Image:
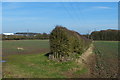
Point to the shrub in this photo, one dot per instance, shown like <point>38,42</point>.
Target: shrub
<point>66,44</point>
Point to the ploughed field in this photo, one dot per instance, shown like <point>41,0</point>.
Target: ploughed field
<point>26,59</point>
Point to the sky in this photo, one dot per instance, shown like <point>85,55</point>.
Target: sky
<point>83,17</point>
<point>60,0</point>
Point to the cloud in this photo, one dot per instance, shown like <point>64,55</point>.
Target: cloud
<point>102,7</point>
<point>94,8</point>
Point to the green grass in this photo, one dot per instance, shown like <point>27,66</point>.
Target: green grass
<point>34,65</point>
<point>29,46</point>
<point>84,70</point>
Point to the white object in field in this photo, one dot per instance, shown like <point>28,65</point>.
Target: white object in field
<point>8,33</point>
<point>19,48</point>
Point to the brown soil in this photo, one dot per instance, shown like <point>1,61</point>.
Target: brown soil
<point>97,66</point>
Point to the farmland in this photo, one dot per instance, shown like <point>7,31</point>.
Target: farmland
<point>106,59</point>
<point>31,62</point>
<point>29,46</point>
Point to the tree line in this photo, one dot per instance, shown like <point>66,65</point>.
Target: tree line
<point>26,36</point>
<point>106,35</point>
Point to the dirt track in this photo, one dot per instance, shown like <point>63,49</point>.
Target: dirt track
<point>85,60</point>
<point>84,57</point>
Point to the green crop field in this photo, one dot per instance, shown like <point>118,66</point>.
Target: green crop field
<point>29,47</point>
<point>106,58</point>
<point>31,62</point>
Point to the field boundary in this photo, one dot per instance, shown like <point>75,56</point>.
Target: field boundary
<point>83,59</point>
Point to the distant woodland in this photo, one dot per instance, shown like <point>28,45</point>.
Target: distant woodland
<point>25,36</point>
<point>106,35</point>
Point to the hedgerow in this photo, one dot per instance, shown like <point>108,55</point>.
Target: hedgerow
<point>66,44</point>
